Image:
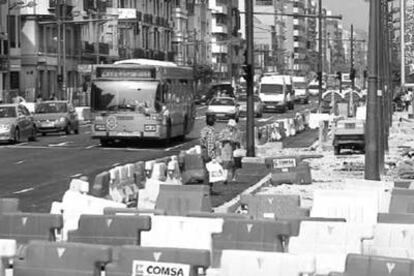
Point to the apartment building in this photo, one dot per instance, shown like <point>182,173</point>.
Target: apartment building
<point>296,41</point>
<point>312,35</point>
<point>226,42</point>
<point>92,31</point>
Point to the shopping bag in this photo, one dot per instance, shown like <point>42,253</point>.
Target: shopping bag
<point>216,171</point>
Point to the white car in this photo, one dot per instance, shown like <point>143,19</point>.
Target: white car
<point>224,108</point>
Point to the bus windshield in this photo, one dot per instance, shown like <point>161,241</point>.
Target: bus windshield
<point>271,89</point>
<point>123,95</point>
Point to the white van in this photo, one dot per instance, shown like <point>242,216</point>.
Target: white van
<point>300,85</point>
<point>273,92</point>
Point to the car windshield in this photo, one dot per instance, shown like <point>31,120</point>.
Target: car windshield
<point>7,112</point>
<point>222,102</point>
<point>124,95</point>
<point>271,89</point>
<point>313,87</point>
<point>300,85</point>
<point>52,107</point>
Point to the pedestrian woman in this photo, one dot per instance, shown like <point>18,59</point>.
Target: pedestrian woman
<point>208,145</point>
<point>230,139</point>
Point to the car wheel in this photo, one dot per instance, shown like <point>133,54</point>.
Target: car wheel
<point>105,142</point>
<point>67,129</point>
<point>168,138</point>
<point>34,135</point>
<point>16,138</point>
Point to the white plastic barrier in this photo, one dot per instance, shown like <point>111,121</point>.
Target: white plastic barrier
<point>181,232</point>
<point>382,188</point>
<point>255,263</point>
<point>361,113</point>
<point>330,242</point>
<point>356,206</point>
<point>84,113</point>
<point>316,118</point>
<point>391,240</point>
<point>75,204</point>
<point>7,251</point>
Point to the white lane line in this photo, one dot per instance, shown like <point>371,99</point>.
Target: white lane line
<point>36,147</point>
<point>176,147</point>
<point>92,146</point>
<point>24,191</point>
<point>200,117</point>
<point>59,145</point>
<point>75,175</point>
<point>19,162</point>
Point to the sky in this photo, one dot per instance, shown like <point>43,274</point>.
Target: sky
<point>353,11</point>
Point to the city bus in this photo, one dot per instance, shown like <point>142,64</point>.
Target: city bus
<point>141,99</point>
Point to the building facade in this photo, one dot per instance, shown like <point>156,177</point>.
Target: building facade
<point>47,57</point>
<point>226,41</point>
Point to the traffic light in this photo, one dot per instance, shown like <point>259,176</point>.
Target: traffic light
<point>352,74</point>
<point>247,68</point>
<point>365,74</point>
<point>339,75</point>
<point>319,76</point>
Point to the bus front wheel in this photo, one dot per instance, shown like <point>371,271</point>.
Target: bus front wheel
<point>168,137</point>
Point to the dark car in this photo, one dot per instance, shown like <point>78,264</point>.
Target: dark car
<point>56,116</point>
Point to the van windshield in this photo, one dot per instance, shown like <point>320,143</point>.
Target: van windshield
<point>271,89</point>
<point>301,85</point>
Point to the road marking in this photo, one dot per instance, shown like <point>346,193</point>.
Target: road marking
<point>59,145</point>
<point>200,117</point>
<point>88,132</point>
<point>265,119</point>
<point>19,162</point>
<point>75,175</point>
<point>92,146</point>
<point>176,147</point>
<point>24,191</point>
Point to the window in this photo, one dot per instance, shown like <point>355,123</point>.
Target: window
<point>264,2</point>
<point>14,80</point>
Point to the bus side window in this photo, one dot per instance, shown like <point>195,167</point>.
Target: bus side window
<point>159,98</point>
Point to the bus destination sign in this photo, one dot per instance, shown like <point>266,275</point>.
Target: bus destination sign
<point>125,73</point>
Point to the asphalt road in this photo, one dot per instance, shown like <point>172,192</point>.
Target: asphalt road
<point>39,172</point>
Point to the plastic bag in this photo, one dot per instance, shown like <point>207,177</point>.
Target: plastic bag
<point>216,171</point>
<point>239,153</point>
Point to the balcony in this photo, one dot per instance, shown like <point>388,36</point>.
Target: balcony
<point>220,29</point>
<point>219,49</point>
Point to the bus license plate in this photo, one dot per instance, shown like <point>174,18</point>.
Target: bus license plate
<point>284,163</point>
<point>150,128</point>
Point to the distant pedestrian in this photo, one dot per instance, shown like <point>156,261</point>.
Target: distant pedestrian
<point>230,140</point>
<point>407,98</point>
<point>208,145</point>
<point>39,99</point>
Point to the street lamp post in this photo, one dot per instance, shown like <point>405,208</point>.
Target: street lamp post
<point>371,145</point>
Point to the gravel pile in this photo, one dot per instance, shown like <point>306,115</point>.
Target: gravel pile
<point>330,171</point>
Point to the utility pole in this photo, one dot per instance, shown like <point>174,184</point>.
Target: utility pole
<point>371,142</point>
<point>59,47</point>
<point>97,36</point>
<point>351,98</point>
<point>8,75</point>
<point>64,73</point>
<point>320,63</point>
<point>380,95</point>
<point>249,78</point>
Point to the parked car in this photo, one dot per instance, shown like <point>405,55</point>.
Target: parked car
<point>301,90</point>
<point>56,116</point>
<point>258,105</point>
<point>16,123</point>
<point>349,134</point>
<point>223,108</point>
